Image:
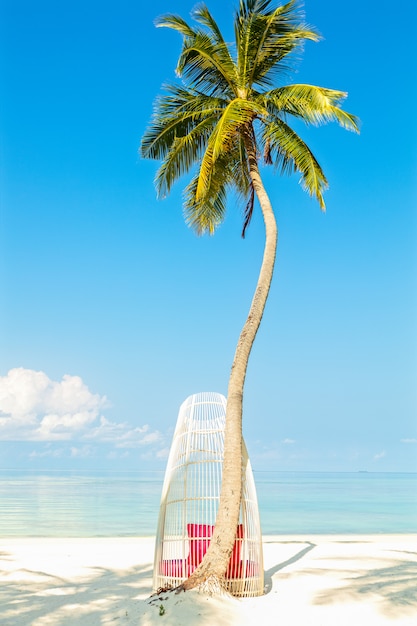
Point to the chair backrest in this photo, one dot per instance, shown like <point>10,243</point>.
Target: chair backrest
<point>199,537</point>
<point>190,499</point>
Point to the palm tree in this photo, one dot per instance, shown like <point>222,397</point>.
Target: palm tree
<point>218,124</point>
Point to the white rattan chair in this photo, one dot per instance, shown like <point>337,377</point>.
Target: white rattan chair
<point>190,499</point>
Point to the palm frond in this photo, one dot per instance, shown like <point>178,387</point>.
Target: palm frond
<point>265,37</point>
<point>230,171</point>
<point>314,105</point>
<point>205,59</point>
<point>175,114</point>
<point>248,210</point>
<point>238,114</point>
<point>176,23</point>
<point>185,151</point>
<point>290,153</point>
<point>246,7</point>
<point>204,216</point>
<point>203,16</point>
<point>206,64</point>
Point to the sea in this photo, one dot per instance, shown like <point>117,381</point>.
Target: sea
<point>123,504</point>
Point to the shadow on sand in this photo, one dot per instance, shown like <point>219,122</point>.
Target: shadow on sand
<point>268,574</point>
<point>35,597</point>
<point>395,586</point>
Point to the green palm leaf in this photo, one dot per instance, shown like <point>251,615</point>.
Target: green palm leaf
<point>314,105</point>
<point>236,117</point>
<point>266,37</point>
<point>176,23</point>
<point>290,153</point>
<point>184,152</point>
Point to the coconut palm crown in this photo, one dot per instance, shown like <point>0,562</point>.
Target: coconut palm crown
<point>228,102</point>
<point>218,125</point>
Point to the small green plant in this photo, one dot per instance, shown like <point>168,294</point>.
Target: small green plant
<point>161,609</point>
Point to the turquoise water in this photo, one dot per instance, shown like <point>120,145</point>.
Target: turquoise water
<point>75,504</point>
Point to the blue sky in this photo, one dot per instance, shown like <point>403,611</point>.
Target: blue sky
<point>112,311</point>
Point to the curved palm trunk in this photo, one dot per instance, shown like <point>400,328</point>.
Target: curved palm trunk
<point>217,557</point>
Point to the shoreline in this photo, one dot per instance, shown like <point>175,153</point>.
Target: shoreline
<point>313,579</point>
<point>275,536</point>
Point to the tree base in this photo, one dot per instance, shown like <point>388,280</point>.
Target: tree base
<point>212,585</point>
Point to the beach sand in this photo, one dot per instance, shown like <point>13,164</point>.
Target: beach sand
<point>309,581</point>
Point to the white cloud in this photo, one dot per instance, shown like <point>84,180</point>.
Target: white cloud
<point>35,408</point>
<point>163,453</point>
<point>82,452</point>
<point>116,456</point>
<point>380,455</point>
<point>288,441</point>
<point>123,435</point>
<point>408,440</point>
<point>49,452</point>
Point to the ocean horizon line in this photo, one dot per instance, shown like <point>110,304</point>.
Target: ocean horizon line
<point>162,471</point>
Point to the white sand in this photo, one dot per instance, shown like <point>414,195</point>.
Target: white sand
<point>310,581</point>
